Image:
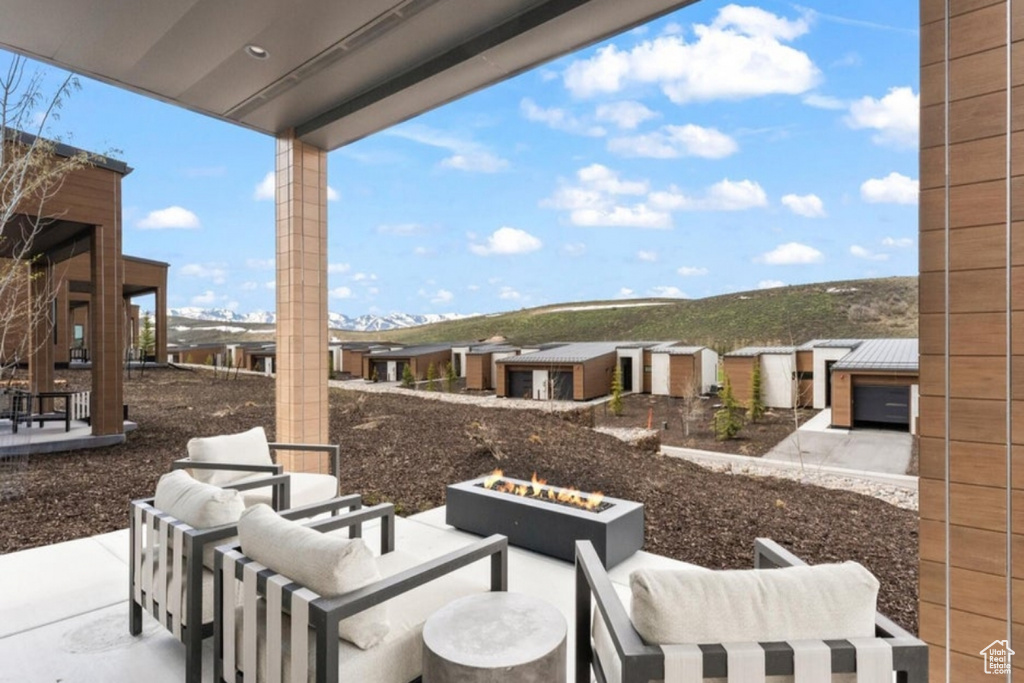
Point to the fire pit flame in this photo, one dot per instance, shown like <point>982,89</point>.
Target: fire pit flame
<point>537,489</point>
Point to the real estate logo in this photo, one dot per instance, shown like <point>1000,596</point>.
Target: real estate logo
<point>997,657</point>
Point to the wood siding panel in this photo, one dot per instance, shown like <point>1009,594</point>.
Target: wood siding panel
<point>478,371</point>
<point>740,371</point>
<point>976,248</point>
<point>842,399</point>
<point>976,118</point>
<point>596,375</point>
<point>682,374</point>
<point>647,360</point>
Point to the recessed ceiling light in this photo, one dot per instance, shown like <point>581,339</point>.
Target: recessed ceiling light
<point>256,52</point>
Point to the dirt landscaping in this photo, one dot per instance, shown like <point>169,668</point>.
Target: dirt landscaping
<point>668,415</point>
<point>403,449</point>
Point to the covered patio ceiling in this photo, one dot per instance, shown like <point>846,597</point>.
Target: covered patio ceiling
<point>334,71</point>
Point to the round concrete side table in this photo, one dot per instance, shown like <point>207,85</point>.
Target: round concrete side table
<point>492,637</point>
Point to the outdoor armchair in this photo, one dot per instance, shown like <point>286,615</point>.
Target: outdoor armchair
<point>286,632</point>
<point>247,456</point>
<point>171,560</point>
<point>608,640</point>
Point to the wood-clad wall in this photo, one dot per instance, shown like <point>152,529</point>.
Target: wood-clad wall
<point>683,371</point>
<point>478,371</point>
<point>740,371</point>
<point>596,376</point>
<point>971,249</point>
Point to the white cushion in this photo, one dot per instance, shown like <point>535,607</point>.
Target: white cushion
<point>306,488</point>
<point>197,504</point>
<point>246,448</point>
<point>398,657</point>
<point>605,652</point>
<point>829,601</point>
<point>329,565</point>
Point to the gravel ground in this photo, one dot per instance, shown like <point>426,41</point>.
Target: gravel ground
<point>400,448</point>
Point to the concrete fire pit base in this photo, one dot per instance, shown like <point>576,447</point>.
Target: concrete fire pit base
<point>492,637</point>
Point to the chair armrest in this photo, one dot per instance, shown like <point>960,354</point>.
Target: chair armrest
<point>186,463</point>
<point>281,497</point>
<point>333,450</point>
<point>592,580</point>
<point>343,606</point>
<point>353,502</point>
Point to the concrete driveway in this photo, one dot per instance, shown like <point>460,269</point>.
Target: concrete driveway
<point>874,450</point>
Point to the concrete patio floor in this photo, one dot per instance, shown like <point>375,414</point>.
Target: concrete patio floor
<point>51,438</point>
<point>64,607</point>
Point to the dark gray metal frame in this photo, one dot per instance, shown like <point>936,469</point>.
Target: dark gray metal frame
<point>332,449</point>
<point>642,662</point>
<point>196,541</point>
<point>325,613</point>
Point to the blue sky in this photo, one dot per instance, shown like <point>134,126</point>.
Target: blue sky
<point>725,147</point>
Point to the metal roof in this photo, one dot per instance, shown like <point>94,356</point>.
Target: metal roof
<point>642,344</point>
<point>570,353</point>
<point>678,350</point>
<point>835,344</point>
<point>751,351</point>
<point>64,150</point>
<point>479,349</point>
<point>899,355</point>
<point>410,351</point>
<point>332,71</point>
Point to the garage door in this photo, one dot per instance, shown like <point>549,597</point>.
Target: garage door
<point>561,385</point>
<point>882,404</point>
<point>520,383</point>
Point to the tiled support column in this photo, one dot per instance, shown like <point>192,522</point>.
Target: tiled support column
<point>106,329</point>
<point>301,363</point>
<point>972,336</point>
<point>40,349</point>
<point>160,319</point>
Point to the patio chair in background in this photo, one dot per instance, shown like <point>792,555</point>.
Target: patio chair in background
<point>791,623</point>
<point>240,458</point>
<point>172,540</point>
<point>316,606</point>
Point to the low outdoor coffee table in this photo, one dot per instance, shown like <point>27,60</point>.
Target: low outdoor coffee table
<point>497,636</point>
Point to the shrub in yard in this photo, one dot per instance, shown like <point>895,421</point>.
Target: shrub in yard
<point>374,377</point>
<point>615,404</point>
<point>407,378</point>
<point>728,422</point>
<point>756,410</point>
<point>450,378</point>
<point>431,378</point>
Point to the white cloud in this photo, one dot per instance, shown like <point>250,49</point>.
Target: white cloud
<point>625,293</point>
<point>574,249</point>
<point>208,271</point>
<point>558,119</point>
<point>808,205</point>
<point>739,55</point>
<point>364,277</point>
<point>895,117</point>
<point>894,188</point>
<point>250,286</point>
<point>791,253</point>
<point>260,263</point>
<point>595,201</point>
<point>692,271</point>
<point>861,252</point>
<point>171,218</point>
<point>725,195</point>
<point>473,288</point>
<point>467,155</point>
<point>672,142</point>
<point>424,251</point>
<point>400,229</point>
<point>341,293</point>
<point>207,298</point>
<point>770,284</point>
<point>338,268</point>
<point>898,242</point>
<point>668,292</point>
<point>442,296</point>
<point>266,188</point>
<point>509,294</point>
<point>270,284</point>
<point>626,114</point>
<point>507,240</point>
<point>824,102</point>
<point>332,194</point>
<point>648,256</point>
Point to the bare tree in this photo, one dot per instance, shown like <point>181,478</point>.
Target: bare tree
<point>691,404</point>
<point>31,173</point>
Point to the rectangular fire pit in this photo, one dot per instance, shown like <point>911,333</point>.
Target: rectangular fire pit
<point>547,527</point>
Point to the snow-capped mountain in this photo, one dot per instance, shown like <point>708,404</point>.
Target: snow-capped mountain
<point>336,321</point>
